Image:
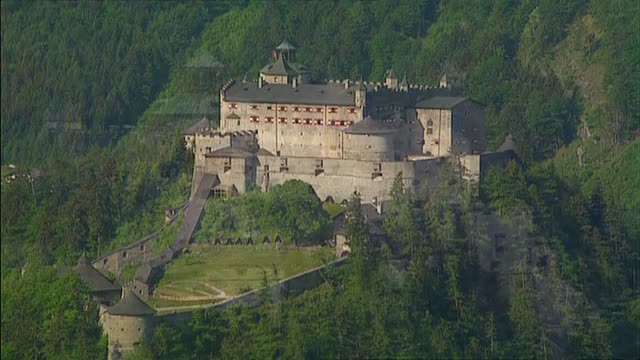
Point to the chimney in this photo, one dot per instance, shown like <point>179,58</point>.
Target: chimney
<point>260,82</point>
<point>294,82</point>
<point>346,84</point>
<point>379,207</point>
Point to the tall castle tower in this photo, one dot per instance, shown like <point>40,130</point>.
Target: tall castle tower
<point>127,324</point>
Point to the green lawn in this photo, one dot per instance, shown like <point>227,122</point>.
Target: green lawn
<point>223,271</point>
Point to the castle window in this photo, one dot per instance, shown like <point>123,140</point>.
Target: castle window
<point>124,254</point>
<point>333,110</point>
<point>282,120</point>
<point>352,110</point>
<point>284,166</point>
<point>255,107</point>
<point>268,119</point>
<point>254,119</point>
<point>142,247</point>
<point>429,131</point>
<point>104,262</point>
<point>430,122</point>
<point>296,120</point>
<point>227,164</point>
<point>283,108</point>
<point>308,109</point>
<point>233,106</point>
<point>296,108</point>
<point>318,109</point>
<point>269,107</point>
<point>307,121</point>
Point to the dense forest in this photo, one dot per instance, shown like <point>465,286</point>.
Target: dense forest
<point>94,96</point>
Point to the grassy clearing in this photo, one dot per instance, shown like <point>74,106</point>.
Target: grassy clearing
<point>234,269</point>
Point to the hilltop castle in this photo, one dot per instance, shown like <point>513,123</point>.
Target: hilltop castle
<point>339,136</point>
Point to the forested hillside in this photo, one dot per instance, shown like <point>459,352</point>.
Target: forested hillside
<point>558,75</point>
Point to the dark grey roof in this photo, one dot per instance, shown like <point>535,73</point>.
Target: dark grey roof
<point>202,124</point>
<point>93,278</point>
<point>264,152</point>
<point>368,126</point>
<point>507,145</point>
<point>311,94</point>
<point>131,305</point>
<point>441,102</point>
<point>230,151</point>
<point>285,45</point>
<point>280,67</point>
<point>233,116</point>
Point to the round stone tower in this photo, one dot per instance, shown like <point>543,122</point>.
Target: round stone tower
<point>127,324</point>
<point>369,140</point>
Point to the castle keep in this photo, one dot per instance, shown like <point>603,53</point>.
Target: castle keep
<point>339,136</point>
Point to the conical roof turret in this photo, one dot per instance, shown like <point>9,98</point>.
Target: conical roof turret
<point>131,305</point>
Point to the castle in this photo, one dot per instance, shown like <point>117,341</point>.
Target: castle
<point>339,136</point>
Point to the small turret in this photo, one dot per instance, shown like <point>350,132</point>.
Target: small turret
<point>404,86</point>
<point>443,81</point>
<point>361,95</point>
<point>391,80</point>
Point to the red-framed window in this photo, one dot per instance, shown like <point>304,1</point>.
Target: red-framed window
<point>269,107</point>
<point>307,121</point>
<point>308,109</point>
<point>282,108</point>
<point>255,119</point>
<point>318,121</point>
<point>255,107</point>
<point>296,109</point>
<point>282,120</point>
<point>296,120</point>
<point>268,119</point>
<point>319,109</point>
<point>233,106</point>
<point>352,110</point>
<point>333,110</point>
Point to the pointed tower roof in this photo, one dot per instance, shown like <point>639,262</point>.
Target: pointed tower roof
<point>93,278</point>
<point>280,67</point>
<point>392,74</point>
<point>368,126</point>
<point>404,83</point>
<point>131,305</point>
<point>285,45</point>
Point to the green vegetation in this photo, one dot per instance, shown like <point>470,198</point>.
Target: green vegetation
<point>234,269</point>
<point>74,73</point>
<point>291,211</point>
